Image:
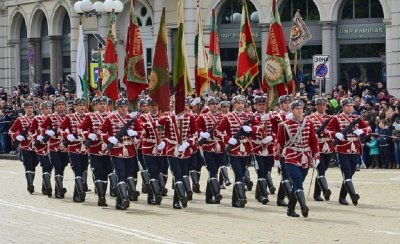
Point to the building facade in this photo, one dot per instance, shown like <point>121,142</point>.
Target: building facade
<point>362,37</point>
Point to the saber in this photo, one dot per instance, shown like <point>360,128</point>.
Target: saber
<point>309,188</point>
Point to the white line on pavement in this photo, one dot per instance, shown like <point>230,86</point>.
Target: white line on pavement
<point>10,172</point>
<point>388,232</point>
<point>137,233</point>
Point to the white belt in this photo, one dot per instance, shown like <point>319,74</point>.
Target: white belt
<point>299,149</point>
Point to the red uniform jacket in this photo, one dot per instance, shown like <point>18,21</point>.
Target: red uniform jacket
<point>125,148</point>
<point>205,122</point>
<point>150,134</point>
<point>325,142</point>
<point>53,122</point>
<point>70,125</point>
<point>20,125</point>
<point>260,131</point>
<point>91,124</point>
<point>352,144</point>
<point>297,147</point>
<point>34,131</point>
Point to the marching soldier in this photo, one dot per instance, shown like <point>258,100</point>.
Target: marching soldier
<point>232,131</point>
<point>223,170</point>
<point>180,138</point>
<point>320,118</point>
<point>212,148</point>
<point>348,147</point>
<point>74,142</point>
<point>41,149</point>
<point>123,151</point>
<point>276,117</point>
<point>100,161</point>
<point>263,143</point>
<point>19,134</point>
<point>192,107</point>
<point>143,108</point>
<point>298,144</point>
<point>152,151</point>
<point>58,155</point>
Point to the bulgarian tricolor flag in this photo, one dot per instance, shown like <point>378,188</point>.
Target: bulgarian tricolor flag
<point>247,64</point>
<point>278,79</point>
<point>159,77</point>
<point>81,77</point>
<point>181,79</point>
<point>110,68</point>
<point>135,78</point>
<point>201,76</point>
<point>214,64</point>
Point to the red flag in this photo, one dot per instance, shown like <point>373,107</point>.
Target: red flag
<point>247,64</point>
<point>278,79</point>
<point>201,77</point>
<point>135,78</point>
<point>214,65</point>
<point>159,77</point>
<point>110,68</point>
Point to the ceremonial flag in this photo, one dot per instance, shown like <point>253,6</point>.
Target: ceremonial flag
<point>159,77</point>
<point>247,64</point>
<point>181,79</point>
<point>100,75</point>
<point>135,78</point>
<point>110,68</point>
<point>299,33</point>
<point>81,77</point>
<point>201,76</point>
<point>278,79</point>
<point>214,64</point>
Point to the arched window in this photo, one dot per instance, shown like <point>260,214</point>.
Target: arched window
<point>361,9</point>
<point>143,15</point>
<point>45,51</point>
<point>231,12</point>
<point>23,58</point>
<point>308,10</point>
<point>66,46</point>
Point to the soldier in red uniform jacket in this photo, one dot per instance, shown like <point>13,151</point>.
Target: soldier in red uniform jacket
<point>223,177</point>
<point>240,154</point>
<point>298,144</point>
<point>348,147</point>
<point>42,150</point>
<point>180,139</point>
<point>58,155</point>
<point>99,160</point>
<point>123,153</point>
<point>325,150</point>
<point>212,148</point>
<point>19,132</point>
<point>74,142</point>
<point>143,108</point>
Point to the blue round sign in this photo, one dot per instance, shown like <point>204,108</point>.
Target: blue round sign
<point>321,70</point>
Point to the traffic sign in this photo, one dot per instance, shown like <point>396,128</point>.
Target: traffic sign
<point>321,67</point>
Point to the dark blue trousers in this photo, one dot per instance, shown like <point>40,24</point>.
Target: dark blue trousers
<point>297,174</point>
<point>154,165</point>
<point>30,160</point>
<point>79,163</point>
<point>124,167</point>
<point>323,165</point>
<point>239,164</point>
<point>179,167</point>
<point>213,161</point>
<point>348,164</point>
<point>59,160</point>
<point>101,167</point>
<point>45,164</point>
<point>265,164</point>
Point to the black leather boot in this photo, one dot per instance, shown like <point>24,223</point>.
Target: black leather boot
<point>209,193</point>
<point>247,180</point>
<point>342,195</point>
<point>133,193</point>
<point>79,193</point>
<point>221,180</point>
<point>270,184</point>
<point>113,184</point>
<point>352,192</point>
<point>292,206</point>
<point>224,173</point>
<point>84,181</point>
<point>323,184</point>
<point>155,190</point>
<point>30,176</point>
<point>122,196</point>
<point>261,188</point>
<point>302,201</point>
<point>238,195</point>
<point>181,191</point>
<point>145,181</point>
<point>317,191</point>
<point>186,183</point>
<point>176,204</point>
<point>195,180</point>
<point>47,184</point>
<point>161,182</point>
<point>100,193</point>
<point>214,186</point>
<point>59,189</point>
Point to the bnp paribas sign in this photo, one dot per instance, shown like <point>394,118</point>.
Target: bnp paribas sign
<point>361,31</point>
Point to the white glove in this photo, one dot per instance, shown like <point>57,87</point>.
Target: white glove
<point>358,132</point>
<point>289,116</point>
<point>50,133</point>
<point>113,140</point>
<point>232,141</point>
<point>183,147</point>
<point>246,128</point>
<point>264,117</point>
<point>39,138</point>
<point>205,135</point>
<point>267,139</point>
<point>20,138</point>
<point>132,133</point>
<point>161,146</point>
<point>315,163</point>
<point>92,136</point>
<point>134,114</point>
<point>277,163</point>
<point>339,136</point>
<point>71,138</point>
<point>195,101</point>
<point>180,117</point>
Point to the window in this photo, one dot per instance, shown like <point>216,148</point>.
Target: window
<point>308,10</point>
<point>143,15</point>
<point>362,50</point>
<point>23,58</point>
<point>66,46</point>
<point>361,9</point>
<point>232,12</point>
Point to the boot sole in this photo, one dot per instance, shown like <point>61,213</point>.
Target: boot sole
<point>31,189</point>
<point>272,190</point>
<point>327,195</point>
<point>355,199</point>
<point>134,196</point>
<point>304,211</point>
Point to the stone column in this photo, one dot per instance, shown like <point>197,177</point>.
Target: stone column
<point>35,69</point>
<point>12,76</point>
<point>74,42</point>
<point>393,50</point>
<point>55,60</point>
<point>264,29</point>
<point>190,29</point>
<point>329,47</point>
